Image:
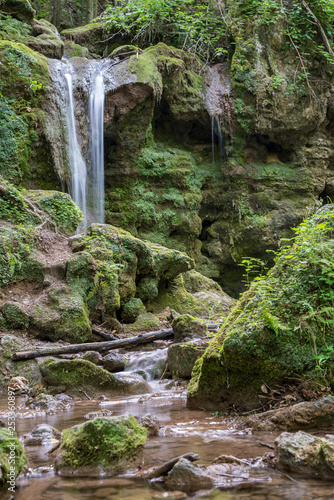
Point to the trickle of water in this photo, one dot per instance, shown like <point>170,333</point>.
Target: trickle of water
<point>216,128</point>
<point>150,365</point>
<point>78,183</point>
<point>96,118</point>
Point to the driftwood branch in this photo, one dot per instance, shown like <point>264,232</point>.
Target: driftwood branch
<point>94,346</point>
<point>144,338</point>
<point>163,469</point>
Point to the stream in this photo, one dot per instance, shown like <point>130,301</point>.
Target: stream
<point>182,431</point>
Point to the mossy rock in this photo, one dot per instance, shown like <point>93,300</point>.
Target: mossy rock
<point>12,457</point>
<point>10,344</point>
<point>72,49</point>
<point>46,40</point>
<point>20,9</point>
<point>131,310</point>
<point>89,36</point>
<point>194,294</point>
<point>15,316</point>
<point>182,358</point>
<point>270,334</point>
<point>101,447</point>
<point>61,315</point>
<point>146,322</point>
<point>61,208</point>
<point>79,373</point>
<point>187,327</point>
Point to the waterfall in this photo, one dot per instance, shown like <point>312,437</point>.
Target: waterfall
<point>96,119</point>
<point>215,121</point>
<point>78,182</point>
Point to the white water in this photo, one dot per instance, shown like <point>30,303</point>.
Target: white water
<point>149,365</point>
<point>96,119</point>
<point>217,129</point>
<point>78,183</point>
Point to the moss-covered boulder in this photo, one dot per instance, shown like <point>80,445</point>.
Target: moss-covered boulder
<point>60,314</point>
<point>89,36</point>
<point>60,207</point>
<point>281,327</point>
<point>45,40</point>
<point>101,447</point>
<point>76,374</point>
<point>187,327</point>
<point>12,458</point>
<point>131,310</point>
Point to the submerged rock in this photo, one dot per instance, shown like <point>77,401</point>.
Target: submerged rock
<point>101,447</point>
<point>12,457</point>
<point>48,403</point>
<point>40,435</point>
<point>304,453</point>
<point>186,476</point>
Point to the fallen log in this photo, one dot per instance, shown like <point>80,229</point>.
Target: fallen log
<point>94,346</point>
<point>163,469</point>
<point>99,346</point>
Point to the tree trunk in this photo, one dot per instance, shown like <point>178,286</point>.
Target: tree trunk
<point>56,14</point>
<point>89,11</point>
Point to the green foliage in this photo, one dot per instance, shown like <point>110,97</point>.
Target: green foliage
<point>13,206</point>
<point>197,26</point>
<point>12,29</point>
<point>62,210</point>
<point>8,439</point>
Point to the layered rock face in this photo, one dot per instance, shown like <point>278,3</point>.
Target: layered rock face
<point>163,181</point>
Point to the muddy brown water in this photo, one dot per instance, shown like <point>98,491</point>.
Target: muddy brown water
<point>182,431</point>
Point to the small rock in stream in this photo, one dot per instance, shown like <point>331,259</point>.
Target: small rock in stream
<point>92,356</point>
<point>187,476</point>
<point>151,423</point>
<point>48,403</point>
<point>113,362</point>
<point>40,435</point>
<point>19,384</point>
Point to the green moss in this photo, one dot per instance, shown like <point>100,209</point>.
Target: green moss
<point>15,316</point>
<point>103,443</point>
<point>13,29</point>
<point>131,310</point>
<point>12,456</point>
<point>60,207</point>
<point>146,322</point>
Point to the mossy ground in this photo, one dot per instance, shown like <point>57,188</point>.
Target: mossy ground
<point>12,456</point>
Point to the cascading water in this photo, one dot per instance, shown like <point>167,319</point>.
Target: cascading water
<point>96,119</point>
<point>78,182</point>
<point>217,129</point>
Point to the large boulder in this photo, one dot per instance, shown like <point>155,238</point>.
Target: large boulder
<point>46,39</point>
<point>271,334</point>
<point>20,9</point>
<point>101,447</point>
<point>187,327</point>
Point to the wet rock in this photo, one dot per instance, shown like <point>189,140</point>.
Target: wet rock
<point>132,309</point>
<point>40,435</point>
<point>306,414</point>
<point>151,423</point>
<point>64,398</point>
<point>100,413</point>
<point>101,447</point>
<point>12,454</point>
<point>92,356</point>
<point>48,403</point>
<point>2,423</point>
<point>305,453</point>
<point>76,374</point>
<point>19,384</point>
<point>113,362</point>
<point>182,358</point>
<point>186,476</point>
<point>187,327</point>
